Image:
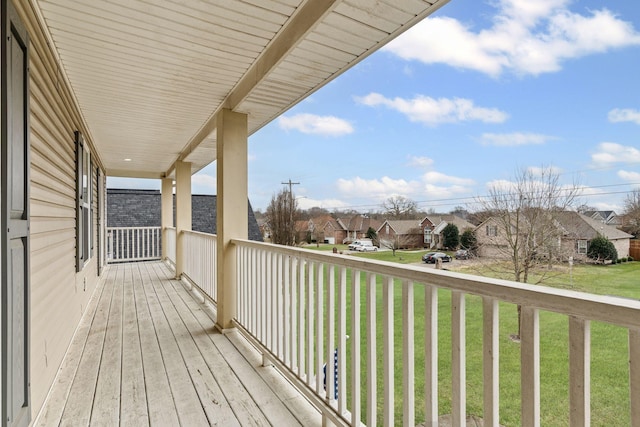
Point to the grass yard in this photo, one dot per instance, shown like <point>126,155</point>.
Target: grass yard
<point>609,348</point>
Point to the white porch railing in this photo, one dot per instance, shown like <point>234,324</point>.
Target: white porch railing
<point>126,244</point>
<point>303,308</point>
<point>200,261</point>
<point>171,244</point>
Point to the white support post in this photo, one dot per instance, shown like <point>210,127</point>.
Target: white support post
<point>530,367</point>
<point>232,206</point>
<point>183,211</point>
<point>166,213</point>
<point>579,372</point>
<point>490,361</point>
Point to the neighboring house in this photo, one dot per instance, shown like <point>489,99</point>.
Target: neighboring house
<point>334,231</point>
<point>141,208</point>
<point>432,225</point>
<point>579,229</point>
<point>574,231</point>
<point>357,226</point>
<point>311,230</point>
<point>400,234</point>
<point>606,217</point>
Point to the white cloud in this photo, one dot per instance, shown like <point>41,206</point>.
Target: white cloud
<point>540,171</point>
<point>440,178</point>
<point>203,183</point>
<point>314,124</point>
<point>609,153</point>
<point>432,111</point>
<point>420,162</point>
<point>381,188</point>
<point>432,185</point>
<point>629,176</point>
<point>514,139</point>
<point>525,37</point>
<point>308,203</point>
<point>624,115</point>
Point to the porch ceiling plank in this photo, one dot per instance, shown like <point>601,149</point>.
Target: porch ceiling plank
<point>160,70</point>
<point>305,17</point>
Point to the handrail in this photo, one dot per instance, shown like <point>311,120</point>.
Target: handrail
<point>294,305</point>
<point>200,261</point>
<point>171,244</point>
<point>127,244</point>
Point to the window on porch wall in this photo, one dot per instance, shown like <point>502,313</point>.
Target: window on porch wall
<point>83,193</point>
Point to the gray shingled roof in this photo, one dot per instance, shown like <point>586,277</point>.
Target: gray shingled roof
<point>580,226</point>
<point>141,208</point>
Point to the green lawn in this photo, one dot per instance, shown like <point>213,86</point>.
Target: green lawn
<point>609,349</point>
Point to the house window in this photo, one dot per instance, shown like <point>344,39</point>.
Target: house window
<point>386,229</point>
<point>492,230</point>
<point>582,246</point>
<point>427,235</point>
<point>83,194</point>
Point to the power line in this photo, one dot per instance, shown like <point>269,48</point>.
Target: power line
<point>470,199</point>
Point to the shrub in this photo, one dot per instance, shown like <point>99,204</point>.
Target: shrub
<point>468,240</point>
<point>602,249</point>
<point>450,236</point>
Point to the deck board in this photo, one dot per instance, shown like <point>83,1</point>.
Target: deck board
<point>147,353</point>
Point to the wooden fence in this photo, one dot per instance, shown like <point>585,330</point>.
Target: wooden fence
<point>634,249</point>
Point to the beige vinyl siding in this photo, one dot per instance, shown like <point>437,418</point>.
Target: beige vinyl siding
<point>58,295</point>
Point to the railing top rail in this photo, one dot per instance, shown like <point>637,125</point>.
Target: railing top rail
<point>616,310</point>
<point>134,228</point>
<point>200,233</point>
<point>170,228</point>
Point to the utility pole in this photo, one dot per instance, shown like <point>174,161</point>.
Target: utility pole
<point>290,184</point>
<point>292,231</point>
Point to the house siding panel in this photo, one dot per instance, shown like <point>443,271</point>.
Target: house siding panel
<point>59,296</point>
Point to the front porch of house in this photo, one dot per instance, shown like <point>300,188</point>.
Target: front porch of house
<point>147,353</point>
<point>381,323</point>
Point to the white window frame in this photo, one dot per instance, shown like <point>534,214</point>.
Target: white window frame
<point>582,247</point>
<point>492,230</point>
<point>84,214</point>
<point>428,235</point>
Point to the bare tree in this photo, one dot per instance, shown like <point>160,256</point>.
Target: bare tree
<point>395,241</point>
<point>524,228</point>
<point>399,207</point>
<point>281,214</point>
<point>632,213</point>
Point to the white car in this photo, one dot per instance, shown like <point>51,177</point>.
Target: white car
<point>366,248</point>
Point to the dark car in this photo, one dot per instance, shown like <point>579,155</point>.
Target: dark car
<point>431,257</point>
<point>462,254</point>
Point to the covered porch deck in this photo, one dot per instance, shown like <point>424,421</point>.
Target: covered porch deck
<point>147,353</point>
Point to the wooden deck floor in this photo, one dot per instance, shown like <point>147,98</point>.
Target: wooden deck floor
<point>147,353</point>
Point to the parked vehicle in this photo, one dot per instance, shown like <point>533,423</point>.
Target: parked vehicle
<point>431,257</point>
<point>353,246</point>
<point>366,247</point>
<point>462,254</point>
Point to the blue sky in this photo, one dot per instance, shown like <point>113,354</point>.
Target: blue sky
<point>461,102</point>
